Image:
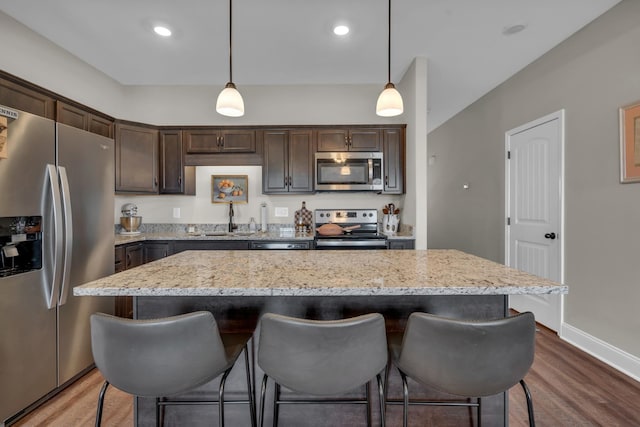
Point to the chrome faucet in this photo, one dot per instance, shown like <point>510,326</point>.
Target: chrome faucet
<point>232,226</point>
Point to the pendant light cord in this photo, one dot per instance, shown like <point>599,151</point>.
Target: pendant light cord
<point>389,47</point>
<point>230,35</point>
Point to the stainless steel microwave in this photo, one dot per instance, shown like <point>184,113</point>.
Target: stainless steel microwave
<point>349,171</point>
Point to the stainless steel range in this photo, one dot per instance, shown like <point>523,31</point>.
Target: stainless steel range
<point>365,235</point>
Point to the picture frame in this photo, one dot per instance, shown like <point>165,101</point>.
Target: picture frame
<point>630,143</point>
<point>229,188</point>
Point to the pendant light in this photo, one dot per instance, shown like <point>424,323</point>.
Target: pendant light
<point>230,101</point>
<point>389,102</point>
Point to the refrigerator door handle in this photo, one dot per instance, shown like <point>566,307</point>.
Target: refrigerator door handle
<point>68,235</point>
<point>52,291</point>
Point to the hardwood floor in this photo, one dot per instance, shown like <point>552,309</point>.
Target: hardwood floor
<point>569,388</point>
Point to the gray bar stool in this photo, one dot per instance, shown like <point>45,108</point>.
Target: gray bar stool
<point>165,357</point>
<point>465,358</point>
<point>322,358</point>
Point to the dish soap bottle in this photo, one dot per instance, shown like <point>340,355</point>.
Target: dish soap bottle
<point>252,225</point>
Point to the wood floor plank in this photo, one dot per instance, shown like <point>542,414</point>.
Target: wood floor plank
<point>569,388</point>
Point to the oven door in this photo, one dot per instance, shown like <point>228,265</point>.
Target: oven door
<point>357,244</point>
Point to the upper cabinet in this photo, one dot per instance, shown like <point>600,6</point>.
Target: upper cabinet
<point>22,98</point>
<point>288,161</point>
<point>210,141</point>
<point>393,141</point>
<point>175,177</point>
<point>82,119</point>
<point>136,159</point>
<point>349,139</point>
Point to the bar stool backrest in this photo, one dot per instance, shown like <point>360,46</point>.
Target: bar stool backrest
<point>468,358</point>
<point>153,358</point>
<point>322,357</point>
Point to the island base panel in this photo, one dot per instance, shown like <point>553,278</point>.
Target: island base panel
<point>241,314</point>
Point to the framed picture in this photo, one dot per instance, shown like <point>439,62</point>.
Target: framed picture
<point>630,143</point>
<point>229,188</point>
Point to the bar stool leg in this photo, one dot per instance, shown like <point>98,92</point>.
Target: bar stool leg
<point>527,394</point>
<point>252,402</point>
<point>381,397</point>
<point>263,391</point>
<point>479,412</point>
<point>103,390</point>
<point>276,407</point>
<point>221,397</point>
<point>405,399</point>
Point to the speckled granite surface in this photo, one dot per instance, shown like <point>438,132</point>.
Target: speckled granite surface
<point>303,273</point>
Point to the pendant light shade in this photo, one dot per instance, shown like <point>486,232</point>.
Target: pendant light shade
<point>230,101</point>
<point>390,101</point>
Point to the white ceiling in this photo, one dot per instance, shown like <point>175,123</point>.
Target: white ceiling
<point>291,41</point>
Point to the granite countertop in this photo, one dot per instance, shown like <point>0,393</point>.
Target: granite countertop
<point>320,273</point>
<point>121,239</point>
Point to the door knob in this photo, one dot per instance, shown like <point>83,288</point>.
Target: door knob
<point>550,236</point>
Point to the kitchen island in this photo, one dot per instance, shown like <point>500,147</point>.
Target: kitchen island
<point>238,286</point>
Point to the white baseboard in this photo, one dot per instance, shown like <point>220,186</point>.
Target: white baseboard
<point>624,362</point>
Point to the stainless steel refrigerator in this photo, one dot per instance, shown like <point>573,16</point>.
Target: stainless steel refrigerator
<point>56,232</point>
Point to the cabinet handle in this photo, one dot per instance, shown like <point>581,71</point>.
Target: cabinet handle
<point>386,180</point>
<point>128,260</point>
<point>217,141</point>
<point>155,181</point>
<point>290,181</point>
<point>179,180</point>
<point>346,141</point>
<point>221,141</point>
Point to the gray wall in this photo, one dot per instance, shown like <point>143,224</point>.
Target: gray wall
<point>590,75</point>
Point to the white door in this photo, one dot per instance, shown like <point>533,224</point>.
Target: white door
<point>534,210</point>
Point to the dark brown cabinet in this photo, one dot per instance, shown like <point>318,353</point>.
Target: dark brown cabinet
<point>82,119</point>
<point>349,139</point>
<point>156,250</point>
<point>126,257</point>
<point>175,177</point>
<point>208,141</point>
<point>288,161</point>
<point>18,96</point>
<point>402,244</point>
<point>393,148</point>
<point>136,159</point>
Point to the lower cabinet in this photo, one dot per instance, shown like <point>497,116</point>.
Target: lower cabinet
<point>154,251</point>
<point>127,256</point>
<point>401,244</point>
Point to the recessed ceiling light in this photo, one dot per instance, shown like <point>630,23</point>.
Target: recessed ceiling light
<point>513,29</point>
<point>341,30</point>
<point>162,31</point>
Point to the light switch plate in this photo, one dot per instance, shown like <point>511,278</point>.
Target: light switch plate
<point>282,211</point>
<point>176,212</point>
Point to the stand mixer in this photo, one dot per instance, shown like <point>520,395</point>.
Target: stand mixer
<point>130,221</point>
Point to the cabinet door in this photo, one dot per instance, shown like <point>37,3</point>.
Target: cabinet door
<point>275,166</point>
<point>136,159</point>
<point>171,162</point>
<point>301,161</point>
<point>202,141</point>
<point>393,161</point>
<point>154,251</point>
<point>364,140</point>
<point>209,245</point>
<point>100,125</point>
<point>238,141</point>
<point>72,116</point>
<point>333,140</point>
<point>134,255</point>
<point>119,259</point>
<point>19,97</point>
